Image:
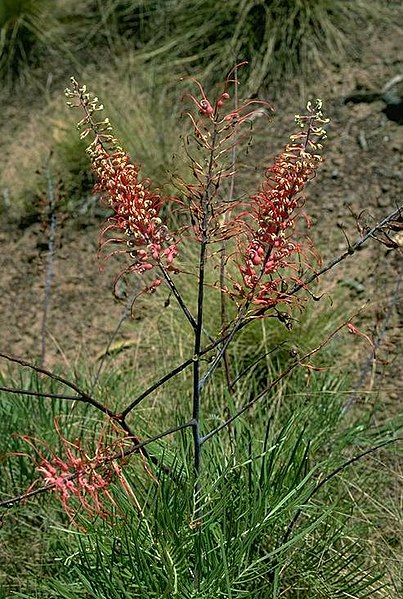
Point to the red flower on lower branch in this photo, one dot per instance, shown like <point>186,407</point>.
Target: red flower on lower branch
<point>79,479</point>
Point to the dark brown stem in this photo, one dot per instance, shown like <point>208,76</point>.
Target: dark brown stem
<point>349,252</point>
<point>40,394</point>
<point>155,386</point>
<point>177,296</point>
<point>327,478</point>
<point>81,395</point>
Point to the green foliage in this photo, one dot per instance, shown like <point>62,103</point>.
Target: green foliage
<point>260,477</point>
<point>269,529</point>
<point>279,39</point>
<point>74,168</point>
<point>26,27</point>
<point>108,23</point>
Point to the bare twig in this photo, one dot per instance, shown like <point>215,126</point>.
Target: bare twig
<point>350,251</point>
<point>39,394</point>
<point>81,395</point>
<point>297,362</point>
<point>330,476</point>
<point>52,225</point>
<point>178,297</point>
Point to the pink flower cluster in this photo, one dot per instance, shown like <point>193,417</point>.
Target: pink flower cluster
<point>273,211</point>
<point>268,254</point>
<point>136,222</point>
<point>136,209</point>
<point>269,223</point>
<point>77,478</point>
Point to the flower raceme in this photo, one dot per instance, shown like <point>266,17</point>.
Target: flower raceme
<point>78,479</point>
<point>136,209</point>
<point>270,220</point>
<point>136,222</point>
<point>216,134</point>
<point>267,254</point>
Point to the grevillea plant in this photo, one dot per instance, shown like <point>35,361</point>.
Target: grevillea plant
<point>268,254</point>
<point>266,261</point>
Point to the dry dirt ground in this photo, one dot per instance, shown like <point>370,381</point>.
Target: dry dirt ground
<point>361,180</point>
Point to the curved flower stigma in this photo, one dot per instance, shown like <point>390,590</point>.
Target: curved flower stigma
<point>210,110</point>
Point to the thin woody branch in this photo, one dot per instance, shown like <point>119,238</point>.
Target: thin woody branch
<point>81,395</point>
<point>352,249</point>
<point>298,362</point>
<point>120,455</point>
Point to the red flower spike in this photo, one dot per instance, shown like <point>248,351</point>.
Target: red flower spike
<point>270,220</point>
<point>79,479</point>
<point>136,223</point>
<point>136,207</point>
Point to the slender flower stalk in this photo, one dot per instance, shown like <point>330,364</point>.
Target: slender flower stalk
<point>216,132</point>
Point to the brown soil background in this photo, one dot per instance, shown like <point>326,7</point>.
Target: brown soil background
<point>362,175</point>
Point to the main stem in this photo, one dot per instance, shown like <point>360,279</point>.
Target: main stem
<point>196,363</point>
<point>197,383</point>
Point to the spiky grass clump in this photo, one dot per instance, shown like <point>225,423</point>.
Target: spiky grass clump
<point>279,39</point>
<point>269,528</point>
<point>26,28</point>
